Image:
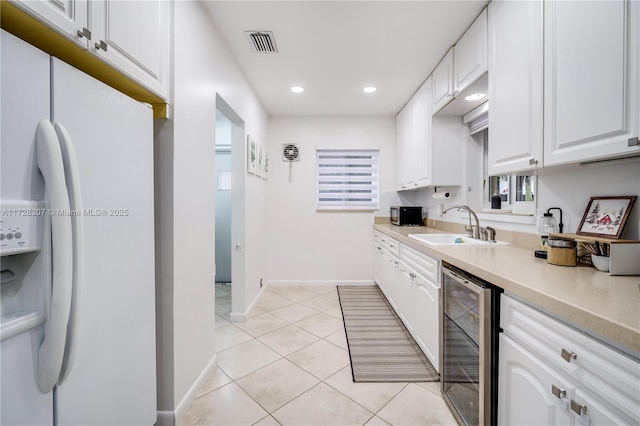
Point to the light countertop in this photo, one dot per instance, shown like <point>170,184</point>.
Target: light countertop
<point>603,306</point>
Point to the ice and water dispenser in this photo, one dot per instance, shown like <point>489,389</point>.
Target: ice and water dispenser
<point>25,264</point>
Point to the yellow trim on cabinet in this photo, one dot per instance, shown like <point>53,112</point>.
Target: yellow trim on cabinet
<point>29,29</point>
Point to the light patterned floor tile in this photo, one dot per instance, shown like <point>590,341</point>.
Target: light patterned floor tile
<point>335,312</point>
<point>322,405</point>
<point>270,302</point>
<point>246,358</point>
<point>267,421</point>
<point>415,405</point>
<point>322,289</point>
<point>262,324</point>
<point>298,294</point>
<point>255,312</point>
<point>220,321</point>
<point>217,378</point>
<point>372,396</point>
<point>276,384</point>
<point>339,338</point>
<point>228,405</point>
<point>321,325</point>
<point>277,289</point>
<point>321,303</point>
<point>376,421</point>
<point>322,359</point>
<point>229,336</point>
<point>288,339</point>
<point>433,387</point>
<point>294,313</point>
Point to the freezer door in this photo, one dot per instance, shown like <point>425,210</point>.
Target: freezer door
<point>25,91</point>
<point>113,377</point>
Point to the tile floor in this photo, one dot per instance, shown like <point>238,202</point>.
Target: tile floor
<point>288,364</point>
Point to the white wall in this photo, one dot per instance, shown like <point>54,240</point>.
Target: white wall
<point>307,245</point>
<point>203,67</point>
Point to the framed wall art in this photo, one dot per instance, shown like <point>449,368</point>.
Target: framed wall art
<point>606,216</point>
<point>252,155</point>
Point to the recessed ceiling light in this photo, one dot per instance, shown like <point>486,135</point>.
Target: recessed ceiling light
<point>475,97</point>
<point>369,89</point>
<point>297,89</point>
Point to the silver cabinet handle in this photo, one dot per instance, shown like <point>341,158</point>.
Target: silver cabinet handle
<point>568,356</point>
<point>102,45</point>
<point>578,408</point>
<point>84,33</point>
<point>561,394</point>
<point>558,392</point>
<point>533,162</point>
<point>581,413</point>
<point>633,142</point>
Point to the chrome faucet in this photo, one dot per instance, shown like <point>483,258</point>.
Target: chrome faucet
<point>473,232</point>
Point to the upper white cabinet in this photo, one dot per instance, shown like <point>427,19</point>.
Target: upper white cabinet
<point>131,36</point>
<point>427,146</point>
<point>68,17</point>
<point>515,86</point>
<point>443,84</point>
<point>470,54</point>
<point>591,80</point>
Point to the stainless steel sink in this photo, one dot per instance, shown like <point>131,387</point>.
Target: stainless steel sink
<point>454,240</point>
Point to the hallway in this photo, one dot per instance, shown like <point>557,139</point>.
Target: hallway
<point>289,364</point>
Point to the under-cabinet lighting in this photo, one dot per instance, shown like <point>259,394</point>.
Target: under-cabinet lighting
<point>475,97</point>
<point>369,89</point>
<point>297,89</point>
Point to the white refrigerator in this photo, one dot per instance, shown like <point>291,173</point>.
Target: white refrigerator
<point>77,247</point>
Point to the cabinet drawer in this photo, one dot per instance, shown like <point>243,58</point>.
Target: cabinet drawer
<point>421,264</point>
<point>590,364</point>
<point>387,242</point>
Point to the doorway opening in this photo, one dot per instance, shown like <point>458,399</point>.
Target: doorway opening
<point>229,214</point>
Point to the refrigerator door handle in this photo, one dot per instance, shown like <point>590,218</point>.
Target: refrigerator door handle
<point>72,175</point>
<point>49,161</point>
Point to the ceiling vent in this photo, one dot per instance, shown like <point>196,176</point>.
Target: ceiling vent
<point>262,41</point>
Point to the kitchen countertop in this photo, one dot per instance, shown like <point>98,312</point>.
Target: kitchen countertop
<point>603,306</point>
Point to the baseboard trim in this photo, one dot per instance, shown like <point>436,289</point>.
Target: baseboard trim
<point>192,393</point>
<point>320,283</point>
<point>238,316</point>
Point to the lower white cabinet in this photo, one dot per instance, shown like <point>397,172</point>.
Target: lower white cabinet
<point>411,284</point>
<point>421,301</point>
<point>526,389</point>
<point>550,373</point>
<point>386,269</point>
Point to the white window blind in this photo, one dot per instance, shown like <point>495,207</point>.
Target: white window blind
<point>347,179</point>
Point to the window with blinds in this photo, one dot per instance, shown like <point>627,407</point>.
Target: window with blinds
<point>347,179</point>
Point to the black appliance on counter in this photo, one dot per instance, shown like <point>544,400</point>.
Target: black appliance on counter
<point>469,346</point>
<point>406,216</point>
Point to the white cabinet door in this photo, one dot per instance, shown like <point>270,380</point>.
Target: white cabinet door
<point>515,86</point>
<point>526,389</point>
<point>133,36</point>
<point>592,80</point>
<point>425,300</point>
<point>67,17</point>
<point>470,54</point>
<point>443,85</point>
<point>422,135</point>
<point>403,151</point>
